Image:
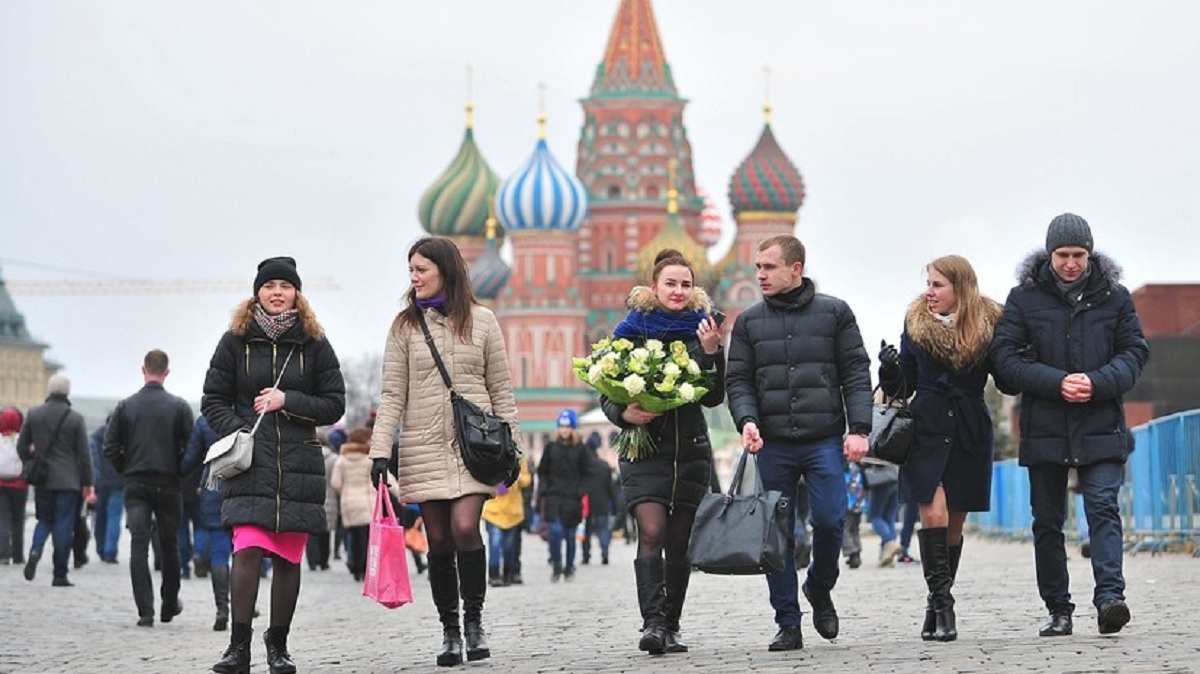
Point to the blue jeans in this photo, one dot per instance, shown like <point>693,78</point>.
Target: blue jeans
<point>502,548</point>
<point>56,514</point>
<point>192,540</point>
<point>558,535</point>
<point>110,506</point>
<point>220,546</point>
<point>911,514</point>
<point>600,526</point>
<point>884,506</point>
<point>1100,484</point>
<point>821,463</point>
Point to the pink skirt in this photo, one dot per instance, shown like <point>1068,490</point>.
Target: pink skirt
<point>287,545</point>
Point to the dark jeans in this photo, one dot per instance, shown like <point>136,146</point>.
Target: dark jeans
<point>502,549</point>
<point>821,463</point>
<point>1100,484</point>
<point>193,541</point>
<point>558,536</point>
<point>143,502</point>
<point>12,523</point>
<point>357,539</point>
<point>884,507</point>
<point>57,511</point>
<point>911,514</point>
<point>600,526</point>
<point>110,506</point>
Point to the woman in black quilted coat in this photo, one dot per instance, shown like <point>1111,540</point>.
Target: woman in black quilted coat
<point>280,499</point>
<point>662,491</point>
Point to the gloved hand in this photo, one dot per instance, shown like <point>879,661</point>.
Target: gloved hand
<point>889,360</point>
<point>379,469</point>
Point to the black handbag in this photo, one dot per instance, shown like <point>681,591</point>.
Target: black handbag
<point>741,534</point>
<point>891,428</point>
<point>37,468</point>
<point>488,448</point>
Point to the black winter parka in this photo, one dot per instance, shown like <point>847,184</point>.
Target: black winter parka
<point>1042,337</point>
<point>798,368</point>
<point>284,489</point>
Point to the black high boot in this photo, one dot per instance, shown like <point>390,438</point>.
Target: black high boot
<point>930,625</point>
<point>472,583</point>
<point>443,582</point>
<point>236,659</point>
<point>220,586</point>
<point>939,580</point>
<point>676,578</point>
<point>651,597</point>
<point>279,661</point>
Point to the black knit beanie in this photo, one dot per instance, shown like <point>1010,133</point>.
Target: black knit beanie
<point>1068,229</point>
<point>282,268</point>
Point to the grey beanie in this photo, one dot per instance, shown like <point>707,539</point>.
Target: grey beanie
<point>1068,229</point>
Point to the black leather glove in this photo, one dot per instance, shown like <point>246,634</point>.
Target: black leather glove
<point>889,360</point>
<point>379,469</point>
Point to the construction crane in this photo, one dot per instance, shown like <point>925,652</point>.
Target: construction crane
<point>141,286</point>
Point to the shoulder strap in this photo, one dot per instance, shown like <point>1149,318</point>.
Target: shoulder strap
<point>274,386</point>
<point>437,357</point>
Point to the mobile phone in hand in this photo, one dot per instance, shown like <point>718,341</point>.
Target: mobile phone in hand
<point>718,316</point>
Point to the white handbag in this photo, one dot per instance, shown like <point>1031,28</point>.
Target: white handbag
<point>231,455</point>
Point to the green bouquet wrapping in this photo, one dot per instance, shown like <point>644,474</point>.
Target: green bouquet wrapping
<point>658,377</point>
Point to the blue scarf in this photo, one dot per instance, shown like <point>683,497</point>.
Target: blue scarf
<point>438,303</point>
<point>660,324</point>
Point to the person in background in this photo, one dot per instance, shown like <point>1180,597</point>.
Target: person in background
<point>110,498</point>
<point>415,400</point>
<point>274,505</point>
<point>146,439</point>
<point>601,493</point>
<point>856,500</point>
<point>14,493</point>
<point>317,551</point>
<point>800,391</point>
<point>503,516</point>
<point>882,506</point>
<point>351,479</point>
<point>562,475</point>
<point>908,525</point>
<point>60,434</point>
<point>1071,342</point>
<point>201,438</point>
<point>663,490</point>
<point>803,545</point>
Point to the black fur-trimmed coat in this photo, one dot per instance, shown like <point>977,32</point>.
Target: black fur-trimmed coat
<point>1042,337</point>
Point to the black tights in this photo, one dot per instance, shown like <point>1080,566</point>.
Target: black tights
<point>285,587</point>
<point>659,529</point>
<point>453,525</point>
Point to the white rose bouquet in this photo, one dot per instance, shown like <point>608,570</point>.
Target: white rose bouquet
<point>656,376</point>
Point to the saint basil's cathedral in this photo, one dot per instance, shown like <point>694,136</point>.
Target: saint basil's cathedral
<point>579,242</point>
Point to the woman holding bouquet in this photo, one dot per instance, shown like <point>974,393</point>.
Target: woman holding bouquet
<point>662,490</point>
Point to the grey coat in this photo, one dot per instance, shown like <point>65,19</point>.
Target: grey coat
<point>69,455</point>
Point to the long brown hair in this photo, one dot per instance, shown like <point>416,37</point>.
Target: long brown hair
<point>456,285</point>
<point>968,328</point>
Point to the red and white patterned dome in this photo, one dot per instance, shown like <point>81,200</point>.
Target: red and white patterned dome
<point>710,220</point>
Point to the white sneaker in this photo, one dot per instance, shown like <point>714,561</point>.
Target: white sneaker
<point>887,555</point>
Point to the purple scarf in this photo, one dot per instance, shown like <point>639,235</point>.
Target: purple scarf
<point>438,303</point>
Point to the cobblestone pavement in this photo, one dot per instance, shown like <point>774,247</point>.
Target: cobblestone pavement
<point>590,624</point>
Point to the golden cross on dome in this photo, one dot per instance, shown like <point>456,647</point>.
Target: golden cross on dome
<point>767,94</point>
<point>470,105</point>
<point>541,111</point>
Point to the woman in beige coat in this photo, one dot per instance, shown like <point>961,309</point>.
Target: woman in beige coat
<point>415,400</point>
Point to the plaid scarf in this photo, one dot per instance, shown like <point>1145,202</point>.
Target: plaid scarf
<point>275,326</point>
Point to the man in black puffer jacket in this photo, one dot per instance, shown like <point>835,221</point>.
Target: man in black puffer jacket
<point>145,440</point>
<point>1071,342</point>
<point>798,375</point>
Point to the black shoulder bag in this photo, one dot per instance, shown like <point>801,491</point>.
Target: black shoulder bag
<point>37,468</point>
<point>485,440</point>
<point>891,428</point>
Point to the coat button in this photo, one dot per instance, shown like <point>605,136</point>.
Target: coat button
<point>791,368</point>
<point>946,441</point>
<point>950,413</point>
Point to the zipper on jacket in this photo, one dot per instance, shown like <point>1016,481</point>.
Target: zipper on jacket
<point>278,446</point>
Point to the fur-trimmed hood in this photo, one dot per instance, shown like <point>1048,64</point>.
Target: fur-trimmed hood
<point>642,299</point>
<point>1028,272</point>
<point>941,342</point>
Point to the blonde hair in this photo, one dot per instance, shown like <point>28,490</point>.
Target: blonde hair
<point>968,328</point>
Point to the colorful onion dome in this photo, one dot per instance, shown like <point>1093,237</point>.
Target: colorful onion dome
<point>457,202</point>
<point>490,273</point>
<point>710,221</point>
<point>766,180</point>
<point>541,194</point>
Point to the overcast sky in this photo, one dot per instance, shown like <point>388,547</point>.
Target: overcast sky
<point>177,140</point>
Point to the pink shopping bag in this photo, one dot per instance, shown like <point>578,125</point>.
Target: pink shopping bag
<point>387,557</point>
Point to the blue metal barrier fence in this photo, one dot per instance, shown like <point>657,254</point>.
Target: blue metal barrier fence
<point>1160,503</point>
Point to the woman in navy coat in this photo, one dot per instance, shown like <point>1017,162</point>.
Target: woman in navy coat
<point>943,363</point>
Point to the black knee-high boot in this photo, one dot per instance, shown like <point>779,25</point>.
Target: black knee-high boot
<point>651,596</point>
<point>220,587</point>
<point>236,659</point>
<point>935,562</point>
<point>472,583</point>
<point>443,581</point>
<point>676,578</point>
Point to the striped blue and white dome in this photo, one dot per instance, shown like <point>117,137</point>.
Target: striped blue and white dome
<point>541,195</point>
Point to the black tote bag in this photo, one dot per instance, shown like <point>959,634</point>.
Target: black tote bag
<point>741,534</point>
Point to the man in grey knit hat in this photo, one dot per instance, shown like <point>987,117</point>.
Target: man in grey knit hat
<point>1072,343</point>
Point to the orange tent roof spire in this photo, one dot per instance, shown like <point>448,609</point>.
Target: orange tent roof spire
<point>634,62</point>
